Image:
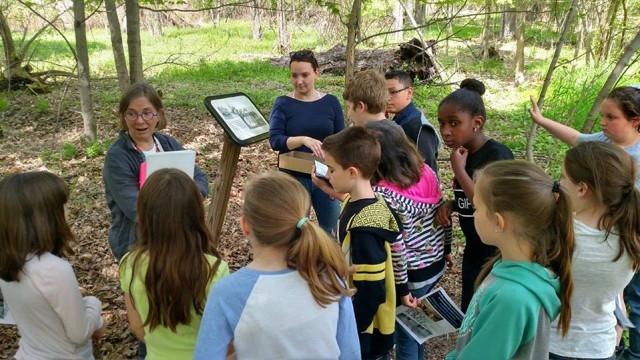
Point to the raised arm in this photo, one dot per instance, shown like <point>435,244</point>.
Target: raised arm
<point>565,133</point>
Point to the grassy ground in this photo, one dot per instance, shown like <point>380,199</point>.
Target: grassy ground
<point>44,131</point>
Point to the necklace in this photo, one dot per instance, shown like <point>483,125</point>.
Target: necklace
<point>293,95</point>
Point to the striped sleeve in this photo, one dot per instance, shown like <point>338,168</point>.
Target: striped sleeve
<point>399,262</point>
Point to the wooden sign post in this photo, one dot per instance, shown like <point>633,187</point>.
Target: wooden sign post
<point>222,186</point>
<point>243,125</point>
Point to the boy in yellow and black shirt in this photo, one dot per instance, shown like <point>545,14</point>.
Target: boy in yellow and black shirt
<point>366,229</point>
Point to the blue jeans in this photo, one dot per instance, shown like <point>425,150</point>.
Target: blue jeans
<point>406,347</point>
<point>632,300</point>
<point>327,210</point>
<point>470,272</point>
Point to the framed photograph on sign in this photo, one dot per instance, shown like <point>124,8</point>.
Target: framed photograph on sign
<point>239,117</point>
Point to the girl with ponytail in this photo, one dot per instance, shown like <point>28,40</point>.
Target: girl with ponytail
<point>291,301</point>
<point>527,216</point>
<point>599,178</point>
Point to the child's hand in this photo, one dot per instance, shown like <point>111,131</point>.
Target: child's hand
<point>443,214</point>
<point>100,332</point>
<point>459,159</point>
<point>449,260</point>
<point>535,113</point>
<point>409,301</point>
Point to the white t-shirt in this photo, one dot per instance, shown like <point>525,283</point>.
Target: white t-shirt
<point>597,280</point>
<point>54,320</point>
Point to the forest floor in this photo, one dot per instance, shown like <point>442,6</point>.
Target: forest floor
<point>30,140</point>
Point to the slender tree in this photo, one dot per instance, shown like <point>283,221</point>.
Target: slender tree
<point>283,39</point>
<point>132,11</point>
<point>547,78</point>
<point>84,78</point>
<point>116,44</point>
<point>622,63</point>
<point>520,26</point>
<point>353,29</point>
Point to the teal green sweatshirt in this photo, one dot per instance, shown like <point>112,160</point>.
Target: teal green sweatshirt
<point>510,314</point>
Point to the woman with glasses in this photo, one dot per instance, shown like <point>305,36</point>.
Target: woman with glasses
<point>141,113</point>
<point>300,121</point>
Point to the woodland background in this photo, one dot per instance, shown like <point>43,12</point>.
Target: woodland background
<point>65,63</point>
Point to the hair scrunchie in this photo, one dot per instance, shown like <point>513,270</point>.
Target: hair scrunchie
<point>301,222</point>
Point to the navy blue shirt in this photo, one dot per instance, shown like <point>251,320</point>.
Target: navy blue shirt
<point>290,117</point>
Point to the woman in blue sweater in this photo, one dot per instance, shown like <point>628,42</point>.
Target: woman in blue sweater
<point>300,121</point>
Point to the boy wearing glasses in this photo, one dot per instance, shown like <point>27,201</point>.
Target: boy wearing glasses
<point>413,122</point>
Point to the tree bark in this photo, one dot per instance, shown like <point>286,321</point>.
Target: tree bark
<point>283,39</point>
<point>508,28</point>
<point>605,46</point>
<point>12,62</point>
<point>133,41</point>
<point>84,79</point>
<point>486,30</point>
<point>520,26</point>
<point>156,21</point>
<point>353,28</point>
<point>419,13</point>
<point>586,39</point>
<point>547,78</point>
<point>398,22</point>
<point>116,45</point>
<point>256,15</point>
<point>622,63</point>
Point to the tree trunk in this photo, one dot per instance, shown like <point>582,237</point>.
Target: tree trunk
<point>449,29</point>
<point>116,45</point>
<point>419,13</point>
<point>409,7</point>
<point>520,26</point>
<point>256,15</point>
<point>283,39</point>
<point>12,62</point>
<point>133,41</point>
<point>586,39</point>
<point>607,36</point>
<point>486,30</point>
<point>156,21</point>
<point>508,28</point>
<point>547,78</point>
<point>84,80</point>
<point>353,28</point>
<point>398,23</point>
<point>629,51</point>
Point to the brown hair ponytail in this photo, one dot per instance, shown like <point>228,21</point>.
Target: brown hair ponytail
<point>611,174</point>
<point>274,204</point>
<point>543,214</point>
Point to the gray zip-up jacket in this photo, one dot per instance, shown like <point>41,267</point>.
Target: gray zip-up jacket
<point>121,175</point>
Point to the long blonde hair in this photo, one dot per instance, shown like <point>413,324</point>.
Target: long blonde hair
<point>274,203</point>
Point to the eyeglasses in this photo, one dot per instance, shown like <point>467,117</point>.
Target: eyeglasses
<point>396,92</point>
<point>133,116</point>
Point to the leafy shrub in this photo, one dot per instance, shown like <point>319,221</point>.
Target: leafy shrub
<point>69,151</point>
<point>42,106</point>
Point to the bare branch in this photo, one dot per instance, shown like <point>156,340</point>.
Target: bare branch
<point>448,19</point>
<point>71,48</point>
<point>25,46</point>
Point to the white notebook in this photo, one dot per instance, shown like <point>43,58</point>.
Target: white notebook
<point>184,160</point>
